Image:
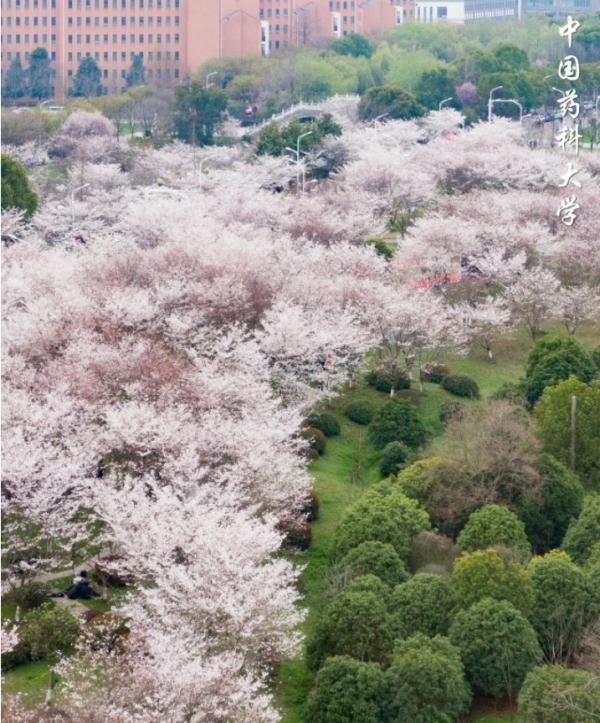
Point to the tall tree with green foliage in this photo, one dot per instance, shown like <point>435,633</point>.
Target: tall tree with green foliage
<point>390,101</point>
<point>39,74</point>
<point>353,44</point>
<point>436,85</point>
<point>16,191</point>
<point>87,80</point>
<point>135,74</point>
<point>198,111</point>
<point>15,81</point>
<point>553,694</point>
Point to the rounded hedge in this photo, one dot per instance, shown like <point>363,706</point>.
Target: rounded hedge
<point>48,630</point>
<point>461,385</point>
<point>421,605</point>
<point>397,421</point>
<point>553,694</point>
<point>316,439</point>
<point>385,515</point>
<point>497,645</point>
<point>547,519</point>
<point>433,373</point>
<point>484,573</point>
<point>393,458</point>
<point>563,607</point>
<point>360,411</point>
<point>326,422</point>
<point>584,532</point>
<point>494,525</point>
<point>553,359</point>
<point>426,681</point>
<point>385,381</point>
<point>374,558</point>
<point>346,690</point>
<point>16,191</point>
<point>355,623</point>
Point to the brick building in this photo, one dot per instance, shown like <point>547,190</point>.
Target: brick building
<point>174,36</point>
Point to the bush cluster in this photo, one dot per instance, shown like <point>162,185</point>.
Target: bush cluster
<point>397,421</point>
<point>386,381</point>
<point>324,421</point>
<point>360,411</point>
<point>461,385</point>
<point>434,373</point>
<point>315,438</point>
<point>394,457</point>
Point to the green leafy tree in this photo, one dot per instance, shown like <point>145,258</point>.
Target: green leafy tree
<point>355,623</point>
<point>87,79</point>
<point>48,630</point>
<point>374,558</point>
<point>553,422</point>
<point>198,111</point>
<point>426,681</point>
<point>563,605</point>
<point>436,85</point>
<point>390,100</point>
<point>397,421</point>
<point>421,605</point>
<point>16,191</point>
<point>553,694</point>
<point>524,86</point>
<point>15,81</point>
<point>584,532</point>
<point>136,74</point>
<point>486,573</point>
<point>547,519</point>
<point>497,645</point>
<point>395,456</point>
<point>553,359</point>
<point>494,525</point>
<point>385,515</point>
<point>39,74</point>
<point>270,141</point>
<point>353,44</point>
<point>510,57</point>
<point>347,691</point>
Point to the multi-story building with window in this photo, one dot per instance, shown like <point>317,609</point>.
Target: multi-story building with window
<point>174,36</point>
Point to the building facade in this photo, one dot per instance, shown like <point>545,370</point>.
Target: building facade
<point>174,37</point>
<point>464,11</point>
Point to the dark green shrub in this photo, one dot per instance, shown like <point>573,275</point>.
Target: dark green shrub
<point>383,514</point>
<point>552,694</point>
<point>375,558</point>
<point>48,630</point>
<point>426,681</point>
<point>584,532</point>
<point>547,519</point>
<point>421,605</point>
<point>434,373</point>
<point>563,605</point>
<point>384,380</point>
<point>311,507</point>
<point>497,645</point>
<point>386,250</point>
<point>347,690</point>
<point>326,422</point>
<point>494,525</point>
<point>315,438</point>
<point>596,357</point>
<point>397,421</point>
<point>16,191</point>
<point>461,385</point>
<point>450,410</point>
<point>391,100</point>
<point>355,623</point>
<point>553,359</point>
<point>486,573</point>
<point>29,596</point>
<point>513,392</point>
<point>360,411</point>
<point>394,457</point>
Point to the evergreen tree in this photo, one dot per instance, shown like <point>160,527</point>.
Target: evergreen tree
<point>15,82</point>
<point>16,191</point>
<point>87,80</point>
<point>198,110</point>
<point>39,74</point>
<point>135,74</point>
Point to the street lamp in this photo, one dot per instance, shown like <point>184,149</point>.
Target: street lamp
<point>380,117</point>
<point>296,151</point>
<point>512,100</point>
<point>207,83</point>
<point>490,101</point>
<point>446,100</point>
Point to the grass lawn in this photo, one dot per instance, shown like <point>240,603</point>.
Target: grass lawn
<point>350,464</point>
<point>29,679</point>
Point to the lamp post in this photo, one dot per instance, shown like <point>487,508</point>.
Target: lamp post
<point>446,100</point>
<point>296,151</point>
<point>207,83</point>
<point>490,101</point>
<point>511,100</point>
<point>380,117</point>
